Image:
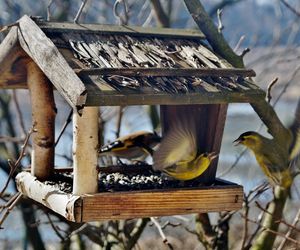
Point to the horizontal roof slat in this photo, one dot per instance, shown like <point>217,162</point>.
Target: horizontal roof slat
<point>120,29</point>
<point>98,98</point>
<point>197,72</point>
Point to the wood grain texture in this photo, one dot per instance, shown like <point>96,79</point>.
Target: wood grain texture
<point>215,127</point>
<point>136,204</point>
<point>45,54</point>
<point>12,62</point>
<point>167,72</point>
<point>85,157</point>
<point>100,98</point>
<point>120,29</point>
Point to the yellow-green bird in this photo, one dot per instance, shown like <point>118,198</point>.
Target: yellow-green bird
<point>132,146</point>
<point>279,167</point>
<point>178,156</point>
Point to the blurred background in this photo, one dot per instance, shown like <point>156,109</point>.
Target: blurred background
<point>270,28</point>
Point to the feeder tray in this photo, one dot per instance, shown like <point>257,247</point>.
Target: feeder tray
<point>218,196</point>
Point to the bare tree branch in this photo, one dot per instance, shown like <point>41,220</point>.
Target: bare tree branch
<point>222,5</point>
<point>161,232</point>
<point>50,2</point>
<point>19,113</point>
<point>13,202</point>
<point>80,11</point>
<point>67,122</point>
<point>14,166</point>
<point>220,24</point>
<point>290,230</point>
<point>297,13</point>
<point>161,16</point>
<point>123,18</point>
<point>216,40</point>
<point>269,89</point>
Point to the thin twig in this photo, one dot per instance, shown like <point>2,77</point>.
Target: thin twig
<point>246,214</point>
<point>19,112</point>
<point>226,217</point>
<point>136,232</point>
<point>59,235</point>
<point>238,45</point>
<point>220,24</point>
<point>290,230</point>
<point>297,13</point>
<point>269,89</point>
<point>4,138</point>
<point>119,121</point>
<point>80,11</point>
<point>8,203</point>
<point>278,221</point>
<point>12,205</point>
<point>272,231</point>
<point>253,235</point>
<point>14,166</point>
<point>123,20</point>
<point>247,200</point>
<point>68,120</point>
<point>168,223</point>
<point>48,10</point>
<point>162,234</point>
<point>244,52</point>
<point>78,230</point>
<point>258,190</point>
<point>237,160</point>
<point>286,85</point>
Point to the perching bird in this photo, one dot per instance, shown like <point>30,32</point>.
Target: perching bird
<point>178,155</point>
<point>279,167</point>
<point>132,146</point>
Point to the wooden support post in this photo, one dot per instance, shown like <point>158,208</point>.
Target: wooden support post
<point>85,142</point>
<point>43,118</point>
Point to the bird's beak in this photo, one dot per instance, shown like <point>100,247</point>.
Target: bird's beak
<point>237,141</point>
<point>212,155</point>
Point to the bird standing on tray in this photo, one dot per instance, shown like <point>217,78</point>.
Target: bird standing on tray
<point>178,155</point>
<point>279,167</point>
<point>132,146</point>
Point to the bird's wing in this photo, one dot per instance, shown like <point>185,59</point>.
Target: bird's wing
<point>295,130</point>
<point>179,145</point>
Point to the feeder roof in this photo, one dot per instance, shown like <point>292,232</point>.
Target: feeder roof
<point>93,65</point>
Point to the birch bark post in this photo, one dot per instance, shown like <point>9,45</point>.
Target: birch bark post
<point>43,119</point>
<point>85,143</point>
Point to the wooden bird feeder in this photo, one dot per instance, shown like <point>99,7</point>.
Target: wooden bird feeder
<point>105,65</point>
